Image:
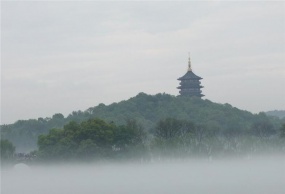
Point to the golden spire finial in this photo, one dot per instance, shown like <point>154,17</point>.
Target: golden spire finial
<point>189,63</point>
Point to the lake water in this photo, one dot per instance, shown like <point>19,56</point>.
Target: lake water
<point>231,176</point>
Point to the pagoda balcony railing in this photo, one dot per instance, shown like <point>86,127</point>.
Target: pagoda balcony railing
<point>189,87</point>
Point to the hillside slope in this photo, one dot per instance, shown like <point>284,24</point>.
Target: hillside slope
<point>147,110</point>
<point>276,113</point>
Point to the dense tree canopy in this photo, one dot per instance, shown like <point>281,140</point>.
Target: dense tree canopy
<point>172,128</point>
<point>7,150</point>
<point>91,139</point>
<point>277,113</point>
<point>282,131</point>
<point>148,110</point>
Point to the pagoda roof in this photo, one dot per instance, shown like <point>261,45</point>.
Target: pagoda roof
<point>189,75</point>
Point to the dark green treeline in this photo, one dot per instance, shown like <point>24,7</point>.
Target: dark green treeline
<point>148,111</point>
<point>96,139</point>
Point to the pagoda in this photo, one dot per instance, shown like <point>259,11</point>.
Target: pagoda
<point>190,84</point>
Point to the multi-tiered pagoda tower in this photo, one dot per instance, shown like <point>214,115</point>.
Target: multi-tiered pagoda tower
<point>190,84</point>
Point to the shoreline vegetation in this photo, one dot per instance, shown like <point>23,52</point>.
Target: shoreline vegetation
<point>144,128</point>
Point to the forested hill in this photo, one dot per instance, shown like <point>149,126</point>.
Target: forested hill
<point>147,110</point>
<point>277,113</point>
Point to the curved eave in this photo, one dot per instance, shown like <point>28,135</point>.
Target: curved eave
<point>190,75</point>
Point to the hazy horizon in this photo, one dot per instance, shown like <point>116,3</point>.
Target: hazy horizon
<point>59,57</point>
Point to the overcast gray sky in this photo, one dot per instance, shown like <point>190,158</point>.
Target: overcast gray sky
<point>57,57</point>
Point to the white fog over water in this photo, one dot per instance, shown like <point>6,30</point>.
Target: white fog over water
<point>231,176</point>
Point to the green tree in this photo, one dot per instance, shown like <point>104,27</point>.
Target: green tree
<point>172,137</point>
<point>172,128</point>
<point>91,139</point>
<point>263,128</point>
<point>130,140</point>
<point>88,149</point>
<point>7,150</point>
<point>58,116</point>
<point>282,131</point>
